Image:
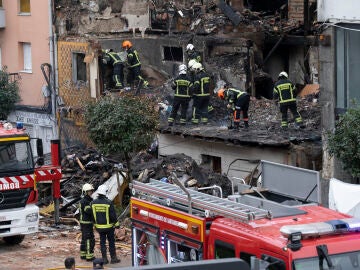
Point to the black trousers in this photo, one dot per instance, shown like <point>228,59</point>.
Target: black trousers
<point>87,241</point>
<point>242,105</point>
<point>284,107</point>
<point>110,236</point>
<point>182,102</point>
<point>200,109</point>
<point>118,75</point>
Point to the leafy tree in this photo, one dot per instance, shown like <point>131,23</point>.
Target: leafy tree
<point>123,124</point>
<point>9,94</point>
<point>344,142</point>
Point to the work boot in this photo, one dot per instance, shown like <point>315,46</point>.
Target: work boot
<point>115,260</point>
<point>236,126</point>
<point>246,124</point>
<point>105,260</point>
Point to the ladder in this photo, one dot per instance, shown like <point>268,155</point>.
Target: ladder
<point>207,204</point>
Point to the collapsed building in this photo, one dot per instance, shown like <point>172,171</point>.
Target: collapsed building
<point>246,43</point>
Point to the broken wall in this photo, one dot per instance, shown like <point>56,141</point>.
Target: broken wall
<point>301,156</point>
<point>75,94</point>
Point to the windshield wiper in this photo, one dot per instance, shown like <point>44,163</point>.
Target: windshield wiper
<point>323,253</point>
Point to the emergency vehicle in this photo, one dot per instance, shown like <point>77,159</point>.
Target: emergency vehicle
<point>19,214</point>
<point>173,224</point>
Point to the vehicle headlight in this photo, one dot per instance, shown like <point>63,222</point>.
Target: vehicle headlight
<point>32,217</point>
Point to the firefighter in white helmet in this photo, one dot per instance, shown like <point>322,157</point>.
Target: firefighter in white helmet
<point>192,53</point>
<point>285,93</point>
<point>181,85</point>
<point>105,222</point>
<point>201,94</point>
<point>86,224</point>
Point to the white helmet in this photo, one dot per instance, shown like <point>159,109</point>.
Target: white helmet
<point>197,67</point>
<point>189,47</point>
<point>283,74</point>
<point>102,189</point>
<point>191,63</point>
<point>182,69</point>
<point>87,187</point>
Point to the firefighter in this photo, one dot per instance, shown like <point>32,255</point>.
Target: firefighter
<point>192,53</point>
<point>105,222</point>
<point>181,85</point>
<point>112,58</point>
<point>86,224</point>
<point>285,94</point>
<point>238,101</point>
<point>134,64</point>
<point>201,94</point>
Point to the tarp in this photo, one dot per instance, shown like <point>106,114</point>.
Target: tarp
<point>344,197</point>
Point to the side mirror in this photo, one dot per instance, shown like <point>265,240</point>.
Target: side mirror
<point>40,152</point>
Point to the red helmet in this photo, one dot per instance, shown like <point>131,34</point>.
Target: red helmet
<point>126,44</point>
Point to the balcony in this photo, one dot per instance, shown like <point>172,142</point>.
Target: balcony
<point>2,18</point>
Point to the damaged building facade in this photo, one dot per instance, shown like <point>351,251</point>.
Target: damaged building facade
<point>246,43</point>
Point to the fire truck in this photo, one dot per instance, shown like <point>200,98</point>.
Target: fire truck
<point>19,214</point>
<point>173,224</point>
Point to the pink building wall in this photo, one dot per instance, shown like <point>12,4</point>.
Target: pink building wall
<point>34,29</point>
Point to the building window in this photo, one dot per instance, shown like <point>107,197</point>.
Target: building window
<point>1,5</point>
<point>78,67</point>
<point>26,50</point>
<point>173,54</point>
<point>347,66</point>
<point>24,6</point>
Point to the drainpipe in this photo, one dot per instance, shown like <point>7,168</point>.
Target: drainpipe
<point>53,65</point>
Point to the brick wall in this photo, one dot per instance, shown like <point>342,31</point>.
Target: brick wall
<point>296,9</point>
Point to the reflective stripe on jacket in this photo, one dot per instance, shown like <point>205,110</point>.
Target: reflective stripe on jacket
<point>181,85</point>
<point>201,85</point>
<point>232,94</point>
<point>85,210</point>
<point>104,213</point>
<point>133,58</point>
<point>284,90</point>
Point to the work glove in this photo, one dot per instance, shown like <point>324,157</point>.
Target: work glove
<point>228,106</point>
<point>237,108</point>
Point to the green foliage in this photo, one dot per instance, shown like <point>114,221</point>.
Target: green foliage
<point>9,94</point>
<point>123,124</point>
<point>344,142</point>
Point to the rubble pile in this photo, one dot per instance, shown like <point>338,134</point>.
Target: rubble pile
<point>81,166</point>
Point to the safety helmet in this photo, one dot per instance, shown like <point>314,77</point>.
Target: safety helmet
<point>87,187</point>
<point>191,63</point>
<point>283,74</point>
<point>126,44</point>
<point>102,189</point>
<point>182,69</point>
<point>221,93</point>
<point>197,67</point>
<point>189,47</point>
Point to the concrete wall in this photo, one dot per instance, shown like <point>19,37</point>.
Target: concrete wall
<point>332,167</point>
<point>30,28</point>
<point>169,144</point>
<point>296,59</point>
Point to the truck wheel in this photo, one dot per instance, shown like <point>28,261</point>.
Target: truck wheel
<point>14,240</point>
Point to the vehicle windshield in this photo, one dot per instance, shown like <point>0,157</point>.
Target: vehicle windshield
<point>343,261</point>
<point>15,157</point>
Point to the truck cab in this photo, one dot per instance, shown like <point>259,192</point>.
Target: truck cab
<point>18,213</point>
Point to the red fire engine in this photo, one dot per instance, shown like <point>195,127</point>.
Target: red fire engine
<point>171,224</point>
<point>19,214</point>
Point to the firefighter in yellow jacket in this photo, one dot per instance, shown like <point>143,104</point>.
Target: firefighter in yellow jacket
<point>285,93</point>
<point>86,224</point>
<point>105,222</point>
